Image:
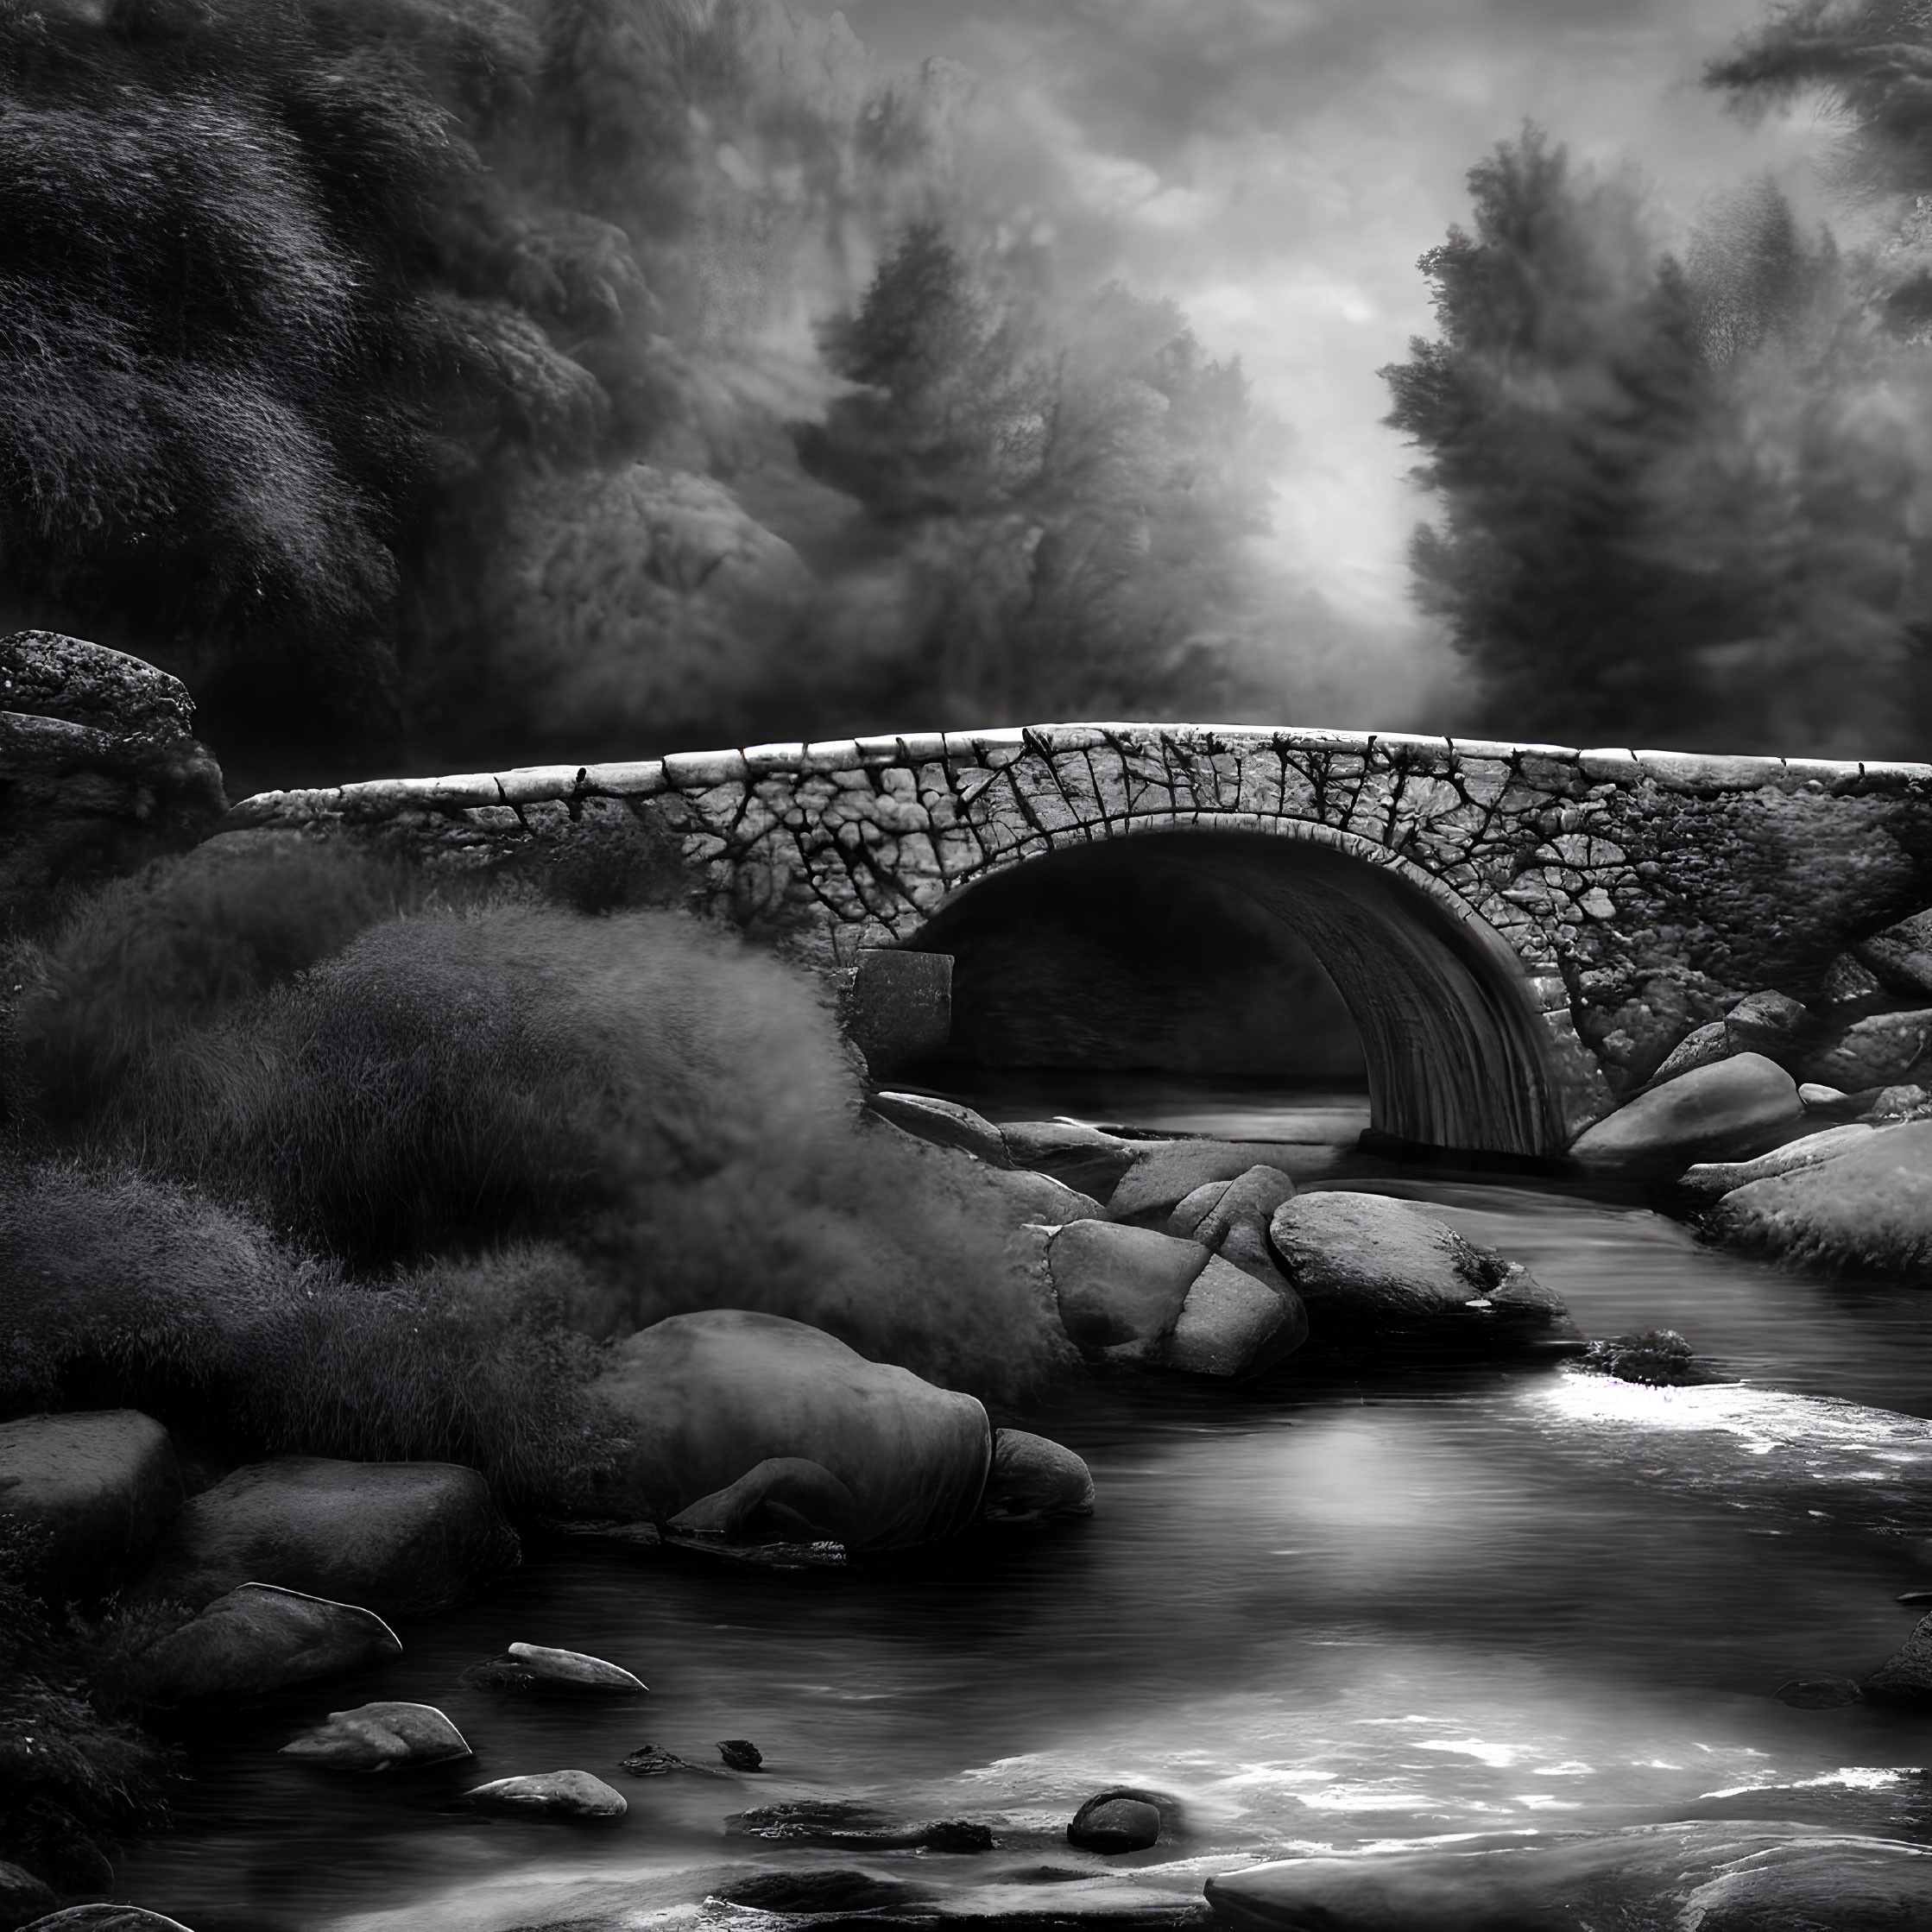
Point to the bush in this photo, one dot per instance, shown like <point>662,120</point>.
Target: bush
<point>117,1289</point>
<point>145,960</point>
<point>671,1107</point>
<point>69,1770</point>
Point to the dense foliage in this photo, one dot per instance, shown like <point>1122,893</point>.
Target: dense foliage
<point>1680,492</point>
<point>431,377</point>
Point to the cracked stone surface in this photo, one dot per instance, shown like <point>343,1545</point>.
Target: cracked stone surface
<point>1641,893</point>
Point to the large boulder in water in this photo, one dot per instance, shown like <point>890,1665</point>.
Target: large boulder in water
<point>91,1492</point>
<point>1731,1108</point>
<point>1367,1265</point>
<point>1717,1877</point>
<point>740,1423</point>
<point>1866,1211</point>
<point>405,1538</point>
<point>259,1638</point>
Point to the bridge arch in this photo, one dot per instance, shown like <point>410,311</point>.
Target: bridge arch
<point>1459,1052</point>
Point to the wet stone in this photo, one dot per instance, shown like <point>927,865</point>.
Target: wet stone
<point>1115,1821</point>
<point>1818,1694</point>
<point>818,1891</point>
<point>572,1670</point>
<point>380,1737</point>
<point>564,1794</point>
<point>740,1754</point>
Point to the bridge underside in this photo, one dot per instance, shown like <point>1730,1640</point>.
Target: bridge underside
<point>1458,1055</point>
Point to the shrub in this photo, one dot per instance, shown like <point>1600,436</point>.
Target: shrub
<point>116,1289</point>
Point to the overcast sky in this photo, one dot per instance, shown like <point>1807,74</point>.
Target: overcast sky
<point>1278,165</point>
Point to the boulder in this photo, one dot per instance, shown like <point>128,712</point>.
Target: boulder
<point>1905,1676</point>
<point>380,1737</point>
<point>1846,1884</point>
<point>406,1538</point>
<point>1765,1023</point>
<point>1115,1821</point>
<point>103,770</point>
<point>1900,958</point>
<point>22,1896</point>
<point>1212,1214</point>
<point>1891,1105</point>
<point>1712,1876</point>
<point>1026,1196</point>
<point>1085,1158</point>
<point>1722,1111</point>
<point>564,1794</point>
<point>1121,1289</point>
<point>93,1492</point>
<point>1231,1324</point>
<point>944,1122</point>
<point>573,1669</point>
<point>259,1638</point>
<point>1848,982</point>
<point>1705,1180</point>
<point>813,1440</point>
<point>1167,1172</point>
<point>1878,1051</point>
<point>1658,1358</point>
<point>1365,1265</point>
<point>1033,1477</point>
<point>1815,1097</point>
<point>106,1918</point>
<point>1866,1211</point>
<point>1698,1048</point>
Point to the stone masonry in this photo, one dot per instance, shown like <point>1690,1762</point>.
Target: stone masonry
<point>1637,893</point>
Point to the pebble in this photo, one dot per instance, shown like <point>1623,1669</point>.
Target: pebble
<point>740,1753</point>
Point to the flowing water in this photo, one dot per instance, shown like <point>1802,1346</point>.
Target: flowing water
<point>1315,1612</point>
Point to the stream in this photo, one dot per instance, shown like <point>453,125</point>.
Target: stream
<point>1318,1612</point>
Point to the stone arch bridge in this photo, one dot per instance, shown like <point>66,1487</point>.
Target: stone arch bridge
<point>1521,931</point>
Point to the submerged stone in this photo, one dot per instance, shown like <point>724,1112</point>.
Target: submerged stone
<point>1817,1692</point>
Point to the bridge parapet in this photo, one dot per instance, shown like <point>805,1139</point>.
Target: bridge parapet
<point>1639,892</point>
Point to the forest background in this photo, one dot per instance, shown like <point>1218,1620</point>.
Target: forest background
<point>433,383</point>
